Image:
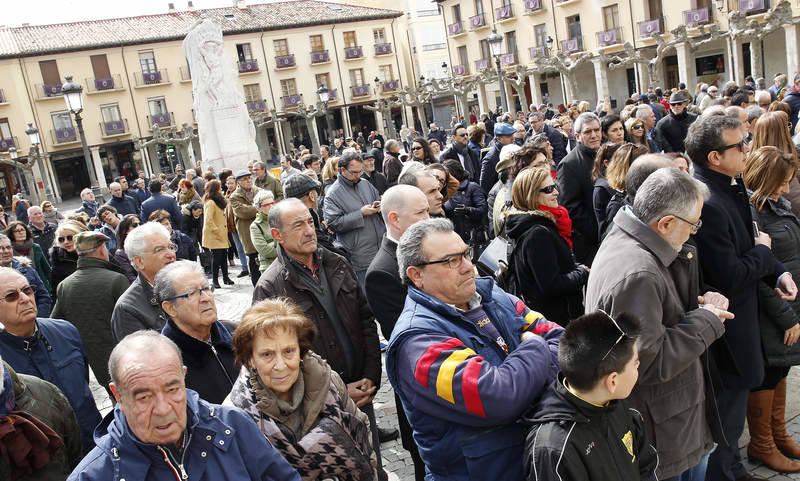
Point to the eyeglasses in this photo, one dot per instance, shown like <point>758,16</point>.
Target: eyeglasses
<point>549,189</point>
<point>355,174</point>
<point>621,334</point>
<point>695,227</point>
<point>18,230</point>
<point>265,204</point>
<point>453,261</point>
<point>135,224</point>
<point>739,145</point>
<point>14,296</point>
<point>65,238</point>
<point>194,293</point>
<point>158,250</point>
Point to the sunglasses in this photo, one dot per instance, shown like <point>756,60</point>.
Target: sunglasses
<point>739,145</point>
<point>14,296</point>
<point>549,189</point>
<point>416,148</point>
<point>65,238</point>
<point>637,127</point>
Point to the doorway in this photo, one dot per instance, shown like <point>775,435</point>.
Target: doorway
<point>71,176</point>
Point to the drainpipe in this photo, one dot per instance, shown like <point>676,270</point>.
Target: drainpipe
<point>148,165</point>
<point>276,125</point>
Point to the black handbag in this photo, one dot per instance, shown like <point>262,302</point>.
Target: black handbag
<point>493,257</point>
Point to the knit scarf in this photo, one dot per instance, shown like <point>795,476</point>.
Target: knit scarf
<point>563,222</point>
<point>24,249</point>
<point>187,196</point>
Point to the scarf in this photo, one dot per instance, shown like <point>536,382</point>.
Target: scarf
<point>563,222</point>
<point>187,196</point>
<point>24,249</point>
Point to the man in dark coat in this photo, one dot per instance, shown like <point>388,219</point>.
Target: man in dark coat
<point>88,204</point>
<point>670,131</point>
<point>793,99</point>
<point>556,138</point>
<point>392,165</point>
<point>459,151</point>
<point>576,187</point>
<point>159,201</point>
<point>436,133</point>
<point>44,233</point>
<point>371,174</point>
<point>733,260</point>
<point>503,135</point>
<point>124,204</point>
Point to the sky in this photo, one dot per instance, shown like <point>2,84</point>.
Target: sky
<point>41,12</point>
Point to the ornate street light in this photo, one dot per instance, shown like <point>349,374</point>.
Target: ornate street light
<point>549,43</point>
<point>33,135</point>
<point>72,92</point>
<point>495,41</point>
<point>12,152</point>
<point>324,96</point>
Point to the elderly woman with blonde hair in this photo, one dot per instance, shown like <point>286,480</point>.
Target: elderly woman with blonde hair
<point>299,403</point>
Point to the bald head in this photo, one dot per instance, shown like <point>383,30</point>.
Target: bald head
<point>131,350</point>
<point>402,206</point>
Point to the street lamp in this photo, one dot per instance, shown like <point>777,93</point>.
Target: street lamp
<point>13,153</point>
<point>33,135</point>
<point>495,41</point>
<point>324,96</point>
<point>444,69</point>
<point>72,92</point>
<point>549,43</point>
<point>429,88</point>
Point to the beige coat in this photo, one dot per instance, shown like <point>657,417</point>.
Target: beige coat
<point>244,212</point>
<point>215,227</point>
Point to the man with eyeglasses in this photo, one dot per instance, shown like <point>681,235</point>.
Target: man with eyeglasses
<point>187,300</point>
<point>466,358</point>
<point>646,268</point>
<point>149,249</point>
<point>459,151</point>
<point>87,298</point>
<point>556,139</point>
<point>734,258</point>
<point>44,302</point>
<point>265,180</point>
<point>350,211</point>
<point>49,349</point>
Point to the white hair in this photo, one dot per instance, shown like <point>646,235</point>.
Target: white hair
<point>135,243</point>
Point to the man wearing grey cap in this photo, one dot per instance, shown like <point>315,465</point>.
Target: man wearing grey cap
<point>671,130</point>
<point>88,297</point>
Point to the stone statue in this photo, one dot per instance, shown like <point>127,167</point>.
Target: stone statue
<point>227,134</point>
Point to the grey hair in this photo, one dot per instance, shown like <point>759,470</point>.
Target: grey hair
<point>275,213</point>
<point>412,174</point>
<point>262,195</point>
<point>259,164</point>
<point>164,283</point>
<point>33,209</point>
<point>705,136</point>
<point>754,112</point>
<point>135,245</point>
<point>138,344</point>
<point>409,248</point>
<point>641,112</point>
<point>763,93</point>
<point>348,156</point>
<point>537,114</point>
<point>4,237</point>
<point>641,169</point>
<point>703,87</point>
<point>390,144</point>
<point>584,118</point>
<point>191,171</point>
<point>668,191</point>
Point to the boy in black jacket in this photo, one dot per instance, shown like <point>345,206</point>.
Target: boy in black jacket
<point>581,429</point>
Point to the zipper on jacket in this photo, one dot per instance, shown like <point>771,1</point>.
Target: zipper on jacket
<point>222,366</point>
<point>183,475</point>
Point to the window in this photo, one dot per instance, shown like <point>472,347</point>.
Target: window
<point>288,87</point>
<point>50,78</point>
<point>611,16</point>
<point>323,79</point>
<point>147,60</point>
<point>462,55</point>
<point>456,13</point>
<point>317,45</point>
<point>574,26</point>
<point>281,47</point>
<point>511,42</point>
<point>252,92</point>
<point>506,3</point>
<point>350,39</point>
<point>486,52</point>
<point>61,120</point>
<point>385,73</point>
<point>356,77</point>
<point>379,35</point>
<point>655,9</point>
<point>100,66</point>
<point>704,3</point>
<point>478,8</point>
<point>157,106</point>
<point>244,52</point>
<point>110,113</point>
<point>5,129</point>
<point>540,33</point>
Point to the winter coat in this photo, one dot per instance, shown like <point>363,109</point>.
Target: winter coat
<point>392,167</point>
<point>638,272</point>
<point>670,131</point>
<point>38,261</point>
<point>580,441</point>
<point>194,227</point>
<point>775,315</point>
<point>385,291</point>
<point>187,249</point>
<point>215,226</point>
<point>378,155</point>
<point>439,135</point>
<point>56,354</point>
<point>244,212</point>
<point>125,205</point>
<point>460,390</point>
<point>44,302</point>
<point>44,237</point>
<point>210,366</point>
<point>45,402</point>
<point>21,211</point>
<point>63,263</point>
<point>575,193</point>
<point>793,99</point>
<point>265,245</point>
<point>470,196</point>
<point>333,438</point>
<point>601,196</point>
<point>377,180</point>
<point>89,208</point>
<point>225,445</point>
<point>136,309</point>
<point>358,234</point>
<point>120,258</point>
<point>279,280</point>
<point>488,165</point>
<point>270,183</point>
<point>87,299</point>
<point>549,278</point>
<point>471,162</point>
<point>159,201</point>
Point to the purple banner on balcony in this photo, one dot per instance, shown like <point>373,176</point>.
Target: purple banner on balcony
<point>333,95</point>
<point>503,12</point>
<point>256,105</point>
<point>391,85</point>
<point>383,49</point>
<point>52,90</point>
<point>482,64</point>
<point>459,70</point>
<point>359,90</point>
<point>318,57</point>
<point>697,17</point>
<point>2,97</point>
<point>750,5</point>
<point>454,28</point>
<point>476,21</point>
<point>6,144</point>
<point>248,66</point>
<point>352,52</point>
<point>649,27</point>
<point>62,135</point>
<point>114,127</point>
<point>151,77</point>
<point>570,45</point>
<point>609,37</point>
<point>532,5</point>
<point>160,119</point>
<point>104,83</point>
<point>285,61</point>
<point>508,59</point>
<point>537,52</point>
<point>292,99</point>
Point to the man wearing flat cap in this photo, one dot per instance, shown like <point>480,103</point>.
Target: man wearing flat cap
<point>671,130</point>
<point>503,135</point>
<point>88,297</point>
<point>371,174</point>
<point>244,212</point>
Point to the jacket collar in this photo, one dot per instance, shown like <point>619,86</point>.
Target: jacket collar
<point>712,176</point>
<point>483,286</point>
<point>219,336</point>
<point>92,262</point>
<point>635,228</point>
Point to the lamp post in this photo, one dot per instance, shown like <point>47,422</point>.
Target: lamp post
<point>12,152</point>
<point>324,97</point>
<point>549,43</point>
<point>72,96</point>
<point>33,135</point>
<point>495,41</point>
<point>421,88</point>
<point>429,88</point>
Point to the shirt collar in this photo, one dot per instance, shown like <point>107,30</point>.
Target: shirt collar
<point>473,302</point>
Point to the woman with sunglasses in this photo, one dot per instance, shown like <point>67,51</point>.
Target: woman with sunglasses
<point>63,258</point>
<point>22,242</point>
<point>126,225</point>
<point>421,151</point>
<point>767,175</point>
<point>545,269</point>
<point>635,130</point>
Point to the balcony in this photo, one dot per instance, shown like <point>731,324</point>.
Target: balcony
<point>648,28</point>
<point>609,37</point>
<point>508,59</point>
<point>291,101</point>
<point>256,105</point>
<point>6,144</point>
<point>147,79</point>
<point>390,86</point>
<point>753,7</point>
<point>64,136</point>
<point>100,85</point>
<point>460,70</point>
<point>359,90</point>
<point>333,95</point>
<point>114,128</point>
<point>249,66</point>
<point>455,29</point>
<point>48,91</point>
<point>533,6</point>
<point>162,120</point>
<point>383,49</point>
<point>352,53</point>
<point>697,17</point>
<point>504,13</point>
<point>186,74</point>
<point>572,45</point>
<point>481,65</point>
<point>3,99</point>
<point>320,57</point>
<point>477,22</point>
<point>538,52</point>
<point>285,61</point>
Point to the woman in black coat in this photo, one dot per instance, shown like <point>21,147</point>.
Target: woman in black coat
<point>767,175</point>
<point>467,208</point>
<point>549,279</point>
<point>63,257</point>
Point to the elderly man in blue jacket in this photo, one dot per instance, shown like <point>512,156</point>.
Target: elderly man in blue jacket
<point>159,201</point>
<point>160,430</point>
<point>466,359</point>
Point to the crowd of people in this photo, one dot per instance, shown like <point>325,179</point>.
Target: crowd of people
<point>644,306</point>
